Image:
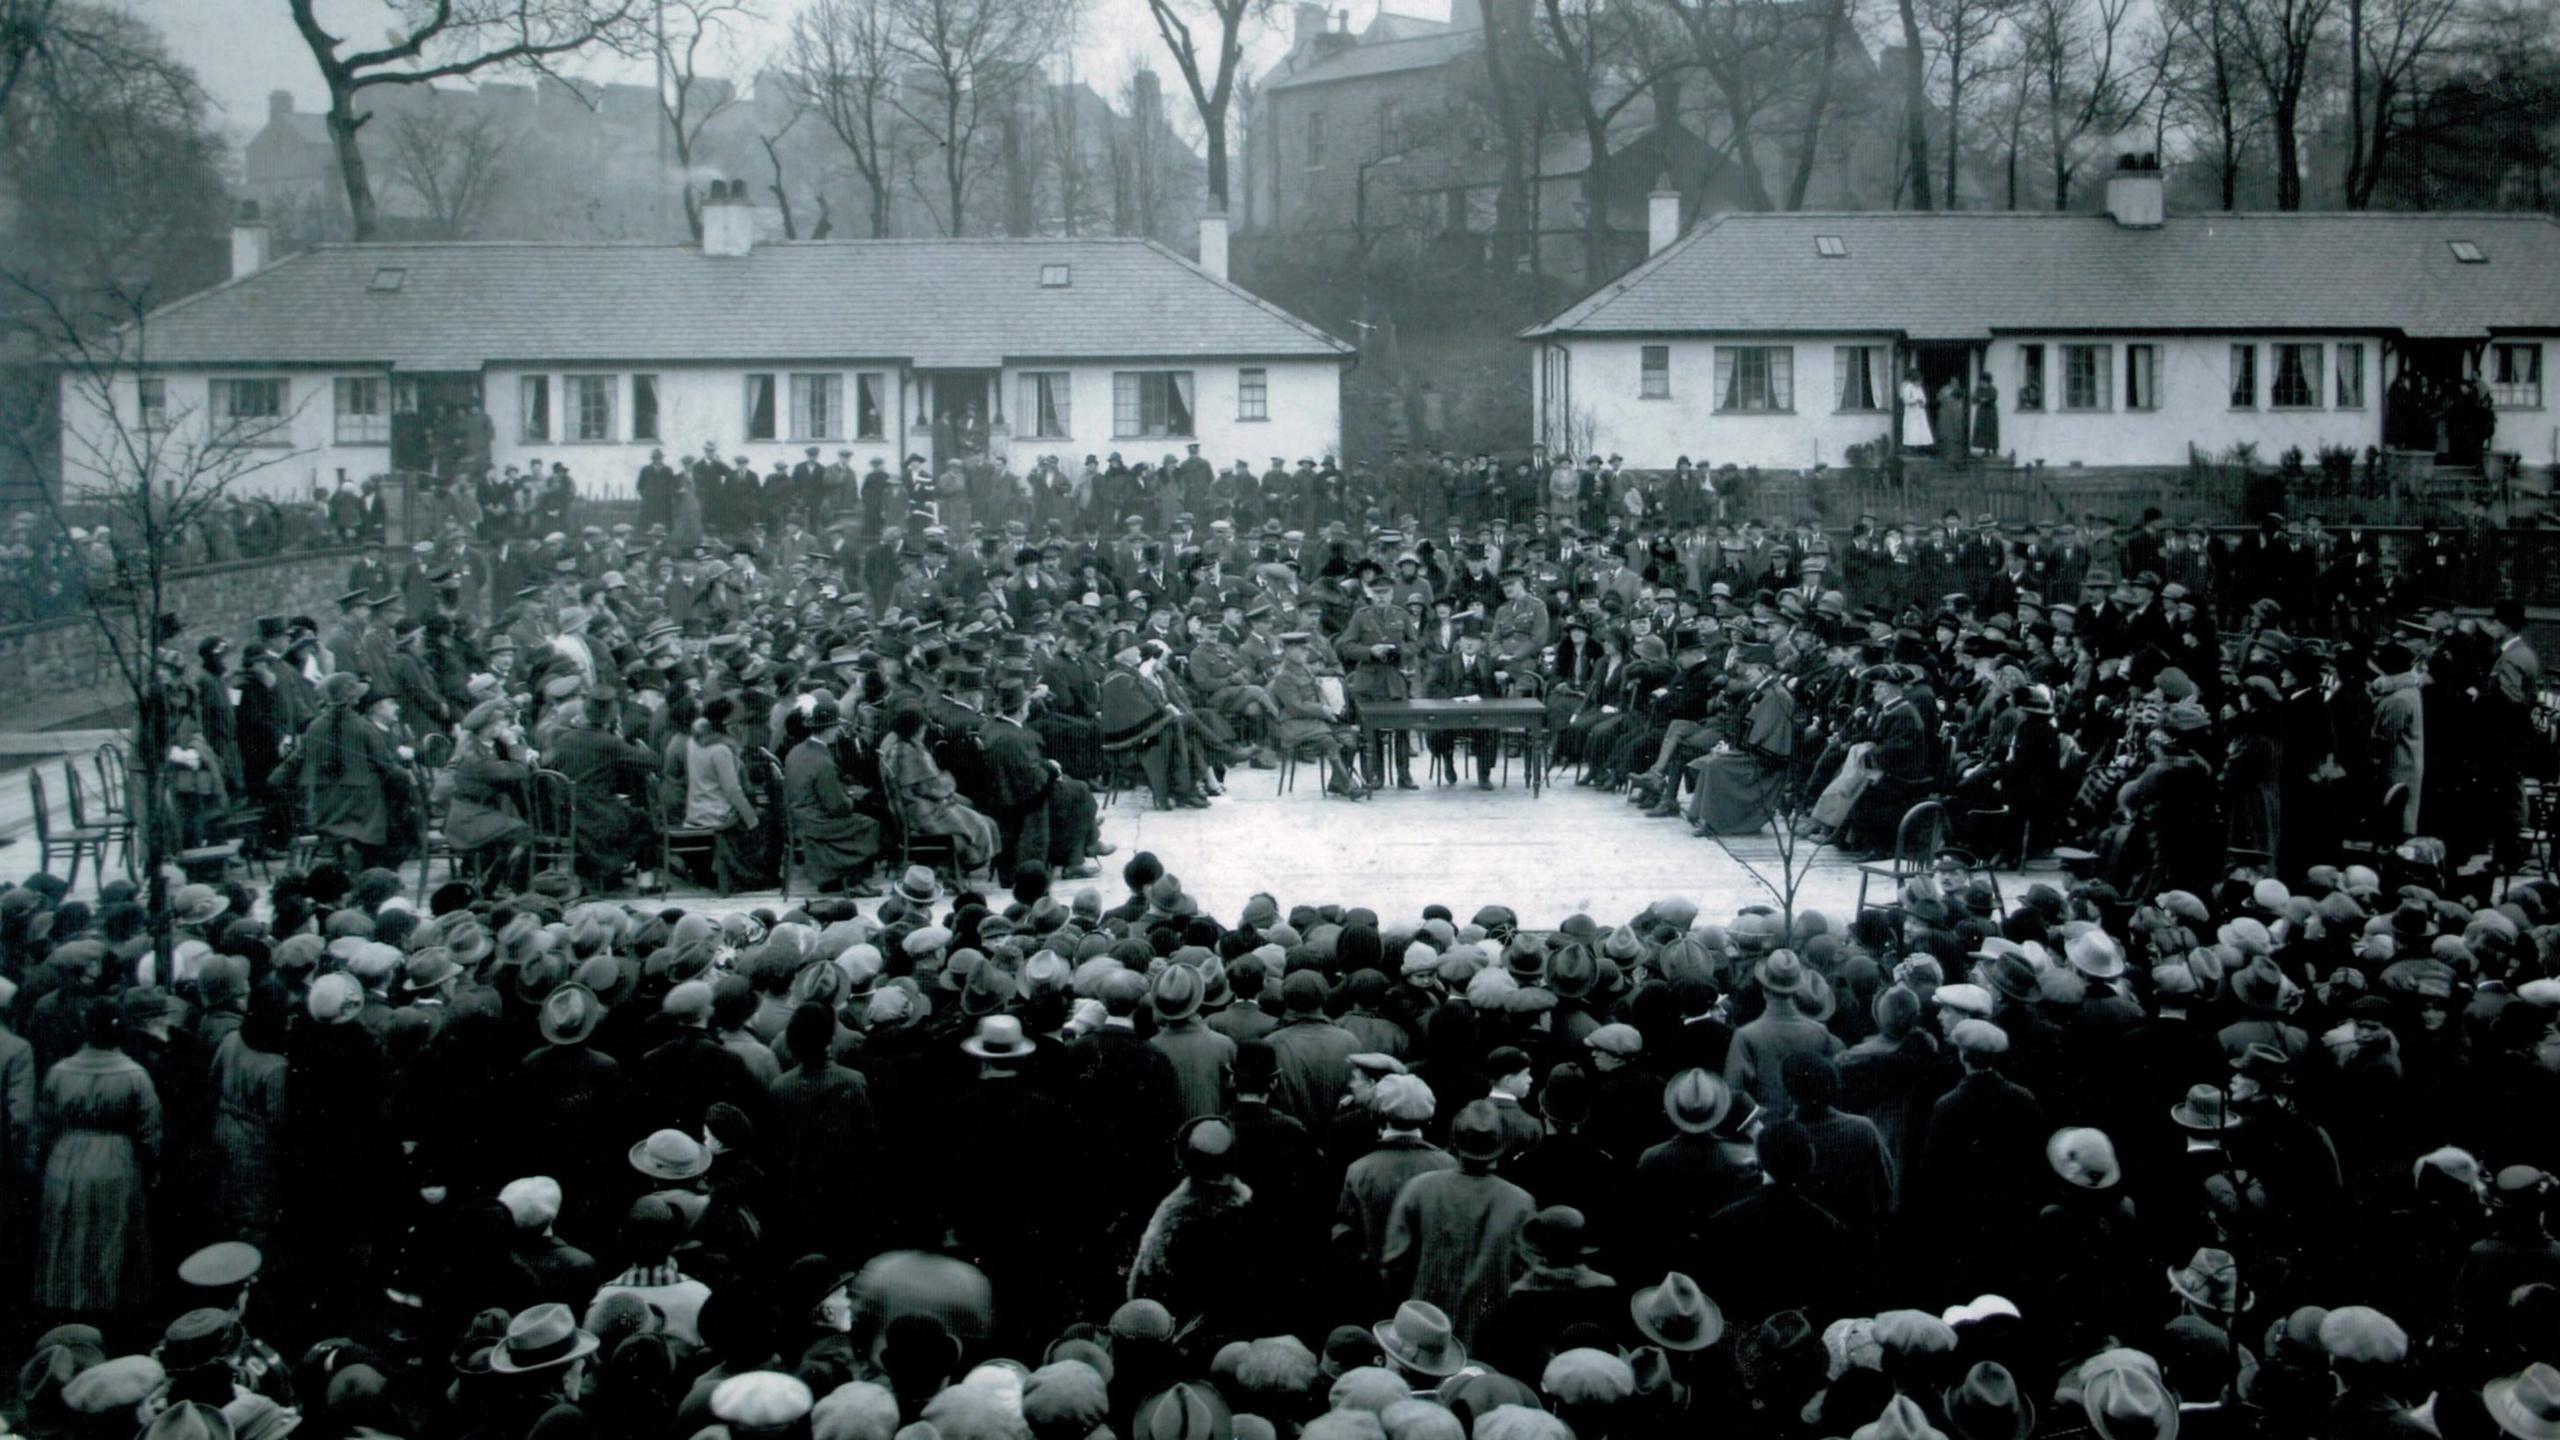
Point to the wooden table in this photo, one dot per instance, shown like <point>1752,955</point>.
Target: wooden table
<point>1525,718</point>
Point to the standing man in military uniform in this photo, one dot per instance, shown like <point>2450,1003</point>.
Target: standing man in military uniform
<point>1373,646</point>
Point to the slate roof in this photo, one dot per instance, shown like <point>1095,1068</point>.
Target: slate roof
<point>1379,57</point>
<point>937,304</point>
<point>1966,275</point>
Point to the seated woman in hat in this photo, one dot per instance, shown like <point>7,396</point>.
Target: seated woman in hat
<point>484,822</point>
<point>715,794</point>
<point>926,799</point>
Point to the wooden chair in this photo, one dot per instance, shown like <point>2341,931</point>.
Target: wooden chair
<point>914,847</point>
<point>115,803</point>
<point>433,845</point>
<point>77,809</point>
<point>759,760</point>
<point>74,841</point>
<point>677,838</point>
<point>551,811</point>
<point>1916,843</point>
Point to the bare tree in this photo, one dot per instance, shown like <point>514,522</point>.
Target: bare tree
<point>1754,54</point>
<point>966,57</point>
<point>780,189</point>
<point>690,35</point>
<point>2281,40</point>
<point>1796,842</point>
<point>1212,83</point>
<point>2387,43</point>
<point>2082,77</point>
<point>1965,31</point>
<point>842,67</point>
<point>2207,81</point>
<point>1507,56</point>
<point>1070,162</point>
<point>148,476</point>
<point>1839,24</point>
<point>448,40</point>
<point>1610,57</point>
<point>455,165</point>
<point>1139,178</point>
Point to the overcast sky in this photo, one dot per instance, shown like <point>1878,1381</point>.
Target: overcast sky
<point>245,48</point>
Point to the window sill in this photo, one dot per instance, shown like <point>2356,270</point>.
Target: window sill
<point>1721,410</point>
<point>2142,409</point>
<point>2517,405</point>
<point>1863,410</point>
<point>345,444</point>
<point>1663,396</point>
<point>2086,410</point>
<point>1253,419</point>
<point>2242,410</point>
<point>591,443</point>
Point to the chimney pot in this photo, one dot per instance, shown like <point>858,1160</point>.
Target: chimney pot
<point>2137,195</point>
<point>728,221</point>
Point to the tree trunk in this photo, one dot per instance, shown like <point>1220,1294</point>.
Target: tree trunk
<point>1915,109</point>
<point>362,214</point>
<point>1213,125</point>
<point>1818,109</point>
<point>1955,112</point>
<point>879,186</point>
<point>1508,201</point>
<point>1595,208</point>
<point>2288,153</point>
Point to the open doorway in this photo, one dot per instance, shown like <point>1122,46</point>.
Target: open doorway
<point>961,416</point>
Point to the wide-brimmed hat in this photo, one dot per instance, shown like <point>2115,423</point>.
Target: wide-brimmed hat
<point>1988,1405</point>
<point>999,1037</point>
<point>1421,1339</point>
<point>1780,973</point>
<point>188,1420</point>
<point>198,904</point>
<point>543,1337</point>
<point>1179,992</point>
<point>2203,1109</point>
<point>2210,1281</point>
<point>1676,1314</point>
<point>2526,1405</point>
<point>2128,1401</point>
<point>917,886</point>
<point>1696,1101</point>
<point>670,1155</point>
<point>570,1014</point>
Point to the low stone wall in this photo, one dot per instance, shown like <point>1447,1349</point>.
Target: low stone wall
<point>57,657</point>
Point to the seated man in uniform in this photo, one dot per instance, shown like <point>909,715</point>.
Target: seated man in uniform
<point>1307,725</point>
<point>836,840</point>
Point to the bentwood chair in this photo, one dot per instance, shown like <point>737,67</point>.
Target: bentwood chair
<point>74,841</point>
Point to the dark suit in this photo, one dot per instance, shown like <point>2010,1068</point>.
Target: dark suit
<point>1451,677</point>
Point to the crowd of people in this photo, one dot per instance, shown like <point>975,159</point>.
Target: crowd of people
<point>973,1143</point>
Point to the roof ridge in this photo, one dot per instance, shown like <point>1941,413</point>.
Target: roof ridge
<point>1311,329</point>
<point>1601,299</point>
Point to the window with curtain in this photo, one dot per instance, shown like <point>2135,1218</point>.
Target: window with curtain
<point>1656,384</point>
<point>2297,381</point>
<point>533,407</point>
<point>2086,384</point>
<point>2351,376</point>
<point>2244,377</point>
<point>590,400</point>
<point>1253,393</point>
<point>362,416</point>
<point>817,406</point>
<point>1045,415</point>
<point>644,407</point>
<point>151,396</point>
<point>2030,377</point>
<point>1858,380</point>
<point>1147,404</point>
<point>1755,379</point>
<point>869,405</point>
<point>760,409</point>
<point>2142,377</point>
<point>1315,140</point>
<point>2515,376</point>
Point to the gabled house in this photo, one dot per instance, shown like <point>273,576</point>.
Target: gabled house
<point>2117,338</point>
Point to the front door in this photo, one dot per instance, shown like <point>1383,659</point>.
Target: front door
<point>962,410</point>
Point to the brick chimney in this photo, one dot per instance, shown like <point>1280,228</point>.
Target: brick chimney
<point>728,220</point>
<point>279,104</point>
<point>1307,20</point>
<point>2136,193</point>
<point>251,242</point>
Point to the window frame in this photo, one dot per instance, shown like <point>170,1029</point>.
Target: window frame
<point>2231,387</point>
<point>2314,377</point>
<point>772,408</point>
<point>1390,127</point>
<point>1653,381</point>
<point>151,403</point>
<point>1033,387</point>
<point>1315,140</point>
<point>2508,394</point>
<point>576,391</point>
<point>2151,401</point>
<point>875,425</point>
<point>533,409</point>
<point>2101,380</point>
<point>809,391</point>
<point>1848,360</point>
<point>645,383</point>
<point>378,431</point>
<point>2031,378</point>
<point>1253,393</point>
<point>1731,376</point>
<point>260,430</point>
<point>2339,372</point>
<point>1129,396</point>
